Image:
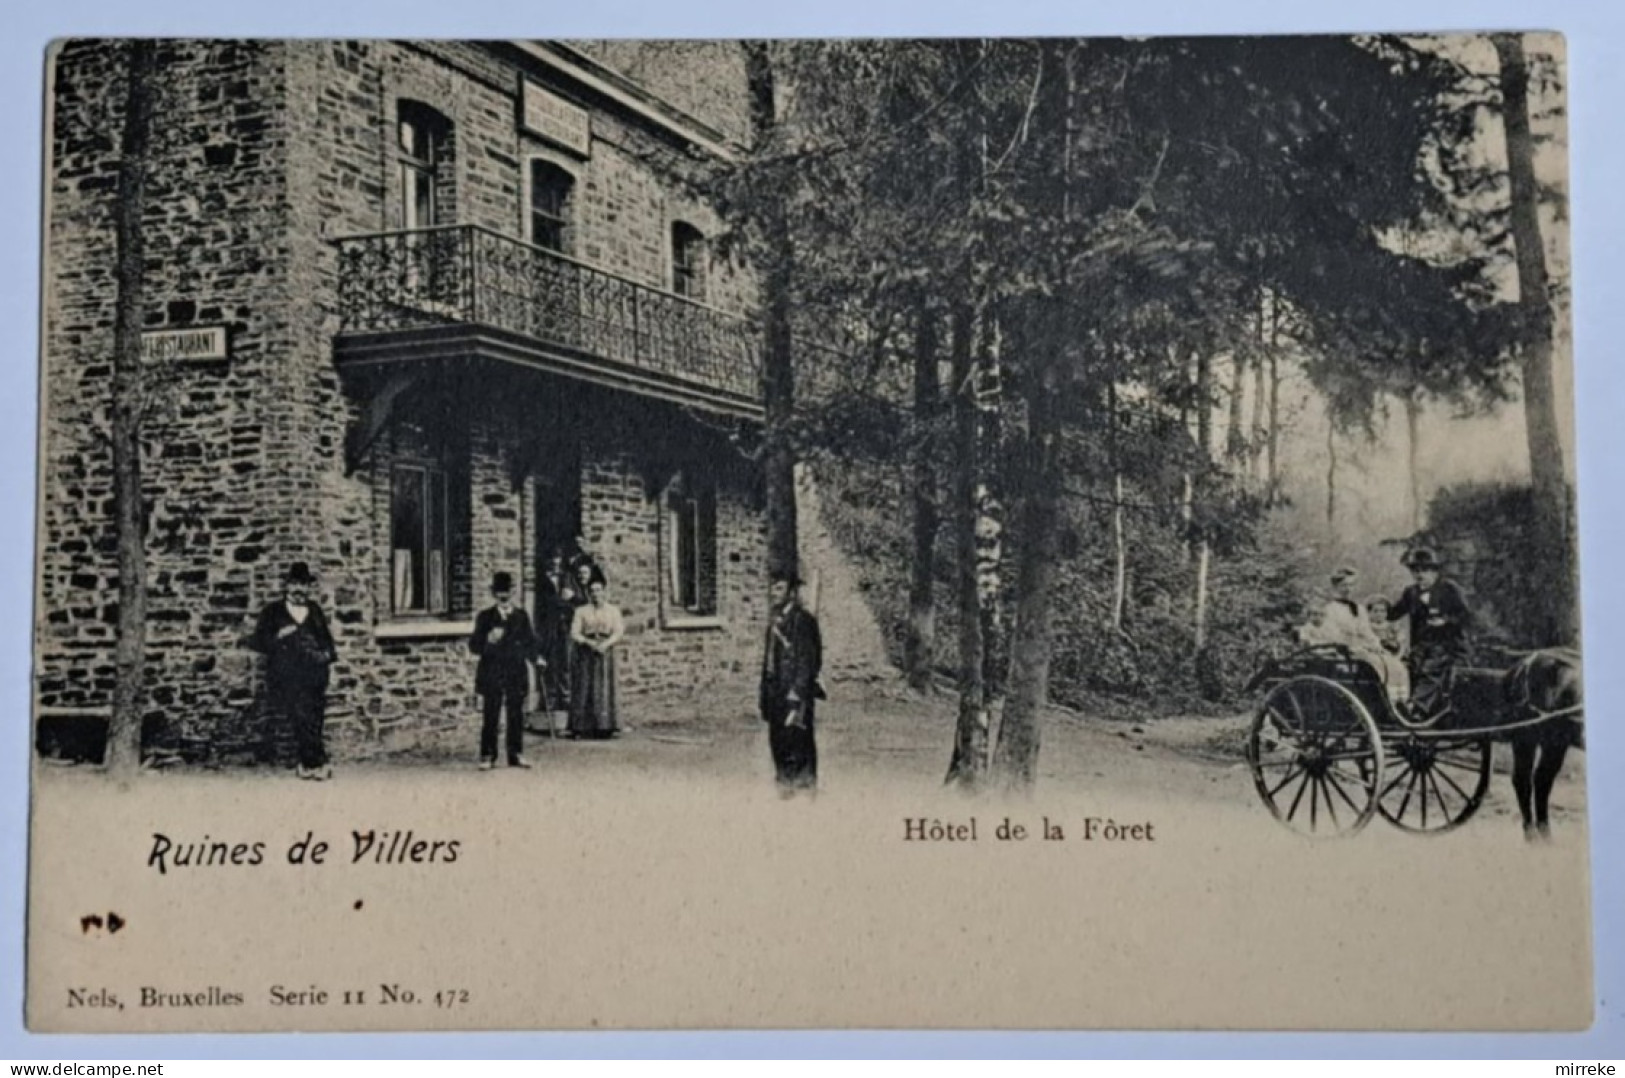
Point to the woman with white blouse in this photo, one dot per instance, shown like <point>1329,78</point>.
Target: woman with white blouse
<point>595,631</point>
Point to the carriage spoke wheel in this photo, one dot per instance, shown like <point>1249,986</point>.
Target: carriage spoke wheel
<point>1433,785</point>
<point>1316,757</point>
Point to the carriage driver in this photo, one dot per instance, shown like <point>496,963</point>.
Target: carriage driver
<point>1344,623</point>
<point>1439,620</point>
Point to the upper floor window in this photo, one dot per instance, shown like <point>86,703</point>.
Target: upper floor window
<point>550,188</point>
<point>422,144</point>
<point>687,260</point>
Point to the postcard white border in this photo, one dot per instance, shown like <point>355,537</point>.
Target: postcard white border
<point>1596,41</point>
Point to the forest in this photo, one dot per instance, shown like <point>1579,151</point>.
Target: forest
<point>1053,322</point>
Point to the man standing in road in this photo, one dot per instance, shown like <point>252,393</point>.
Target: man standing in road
<point>506,644</point>
<point>792,660</point>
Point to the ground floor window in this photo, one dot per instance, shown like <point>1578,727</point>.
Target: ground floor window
<point>691,552</point>
<point>420,541</point>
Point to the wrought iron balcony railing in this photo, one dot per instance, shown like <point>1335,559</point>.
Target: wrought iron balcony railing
<point>427,278</point>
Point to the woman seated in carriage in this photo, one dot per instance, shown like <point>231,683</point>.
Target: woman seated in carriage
<point>1343,622</point>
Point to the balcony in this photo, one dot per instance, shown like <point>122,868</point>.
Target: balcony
<point>464,291</point>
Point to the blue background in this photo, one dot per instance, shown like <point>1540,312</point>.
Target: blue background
<point>1596,34</point>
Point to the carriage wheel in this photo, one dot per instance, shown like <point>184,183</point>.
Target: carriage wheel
<point>1316,757</point>
<point>1433,785</point>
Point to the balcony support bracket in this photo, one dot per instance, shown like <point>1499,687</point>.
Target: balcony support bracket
<point>380,408</point>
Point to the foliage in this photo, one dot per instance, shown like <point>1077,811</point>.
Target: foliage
<point>1487,530</point>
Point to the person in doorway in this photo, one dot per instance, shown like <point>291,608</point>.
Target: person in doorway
<point>597,628</point>
<point>560,595</point>
<point>791,663</point>
<point>586,571</point>
<point>507,645</point>
<point>293,635</point>
<point>1439,625</point>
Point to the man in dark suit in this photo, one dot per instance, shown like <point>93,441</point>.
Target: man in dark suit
<point>293,636</point>
<point>793,657</point>
<point>506,644</point>
<point>1439,623</point>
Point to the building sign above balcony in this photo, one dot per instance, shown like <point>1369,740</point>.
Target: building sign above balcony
<point>546,114</point>
<point>184,345</point>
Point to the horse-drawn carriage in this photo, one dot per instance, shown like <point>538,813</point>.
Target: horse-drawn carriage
<point>1329,750</point>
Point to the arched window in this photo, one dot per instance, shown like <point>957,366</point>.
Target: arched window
<point>550,188</point>
<point>687,260</point>
<point>422,143</point>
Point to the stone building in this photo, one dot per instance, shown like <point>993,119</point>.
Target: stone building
<point>416,312</point>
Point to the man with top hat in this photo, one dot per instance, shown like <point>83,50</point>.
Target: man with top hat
<point>1439,623</point>
<point>507,645</point>
<point>791,662</point>
<point>293,636</point>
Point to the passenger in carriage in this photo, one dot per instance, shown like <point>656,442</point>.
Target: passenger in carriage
<point>1343,622</point>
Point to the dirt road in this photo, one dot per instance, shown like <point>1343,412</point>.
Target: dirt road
<point>882,735</point>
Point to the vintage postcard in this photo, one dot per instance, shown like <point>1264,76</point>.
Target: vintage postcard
<point>980,534</point>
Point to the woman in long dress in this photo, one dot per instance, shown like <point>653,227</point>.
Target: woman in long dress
<point>1345,623</point>
<point>595,631</point>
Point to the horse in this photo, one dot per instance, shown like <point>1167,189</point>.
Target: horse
<point>1542,683</point>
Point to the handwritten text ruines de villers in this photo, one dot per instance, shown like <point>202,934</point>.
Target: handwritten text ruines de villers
<point>362,847</point>
<point>970,829</point>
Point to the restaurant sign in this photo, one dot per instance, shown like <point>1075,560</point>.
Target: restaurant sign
<point>184,345</point>
<point>546,114</point>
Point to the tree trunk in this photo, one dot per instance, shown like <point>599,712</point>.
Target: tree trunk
<point>1256,443</point>
<point>1554,552</point>
<point>1204,407</point>
<point>1187,492</point>
<point>919,646</point>
<point>1119,541</point>
<point>1413,460</point>
<point>990,512</point>
<point>1015,757</point>
<point>1235,442</point>
<point>1187,512</point>
<point>1331,475</point>
<point>1119,554</point>
<point>129,658</point>
<point>1201,550</point>
<point>1272,486</point>
<point>778,369</point>
<point>1204,555</point>
<point>969,762</point>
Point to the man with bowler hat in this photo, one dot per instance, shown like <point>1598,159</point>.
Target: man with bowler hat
<point>293,636</point>
<point>506,644</point>
<point>1439,621</point>
<point>792,660</point>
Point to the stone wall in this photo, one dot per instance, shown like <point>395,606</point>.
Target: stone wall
<point>705,79</point>
<point>624,525</point>
<point>214,229</point>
